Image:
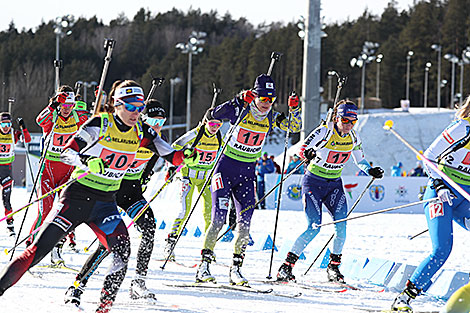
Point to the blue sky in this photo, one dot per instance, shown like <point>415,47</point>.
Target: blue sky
<point>30,13</point>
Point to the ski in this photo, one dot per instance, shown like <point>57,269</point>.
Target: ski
<point>378,310</point>
<point>234,288</point>
<point>303,286</point>
<point>143,304</point>
<point>59,267</point>
<point>179,263</point>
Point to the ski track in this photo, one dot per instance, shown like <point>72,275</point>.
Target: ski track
<point>381,236</point>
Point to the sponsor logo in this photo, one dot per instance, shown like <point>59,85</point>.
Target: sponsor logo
<point>62,222</point>
<point>294,192</point>
<point>107,138</point>
<point>377,192</point>
<point>401,191</point>
<point>111,218</point>
<point>349,188</point>
<point>223,203</point>
<point>270,85</point>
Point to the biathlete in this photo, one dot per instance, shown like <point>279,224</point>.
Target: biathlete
<point>328,148</point>
<point>8,138</point>
<point>130,198</point>
<point>234,174</point>
<point>207,140</point>
<point>452,148</point>
<point>59,122</point>
<point>104,147</point>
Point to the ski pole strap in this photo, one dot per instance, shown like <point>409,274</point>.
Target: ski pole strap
<point>377,212</point>
<point>53,191</point>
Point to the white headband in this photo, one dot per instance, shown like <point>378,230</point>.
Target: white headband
<point>70,97</point>
<point>128,91</point>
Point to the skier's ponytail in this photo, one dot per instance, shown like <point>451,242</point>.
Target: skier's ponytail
<point>464,110</point>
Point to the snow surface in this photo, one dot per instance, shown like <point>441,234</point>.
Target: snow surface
<point>382,236</point>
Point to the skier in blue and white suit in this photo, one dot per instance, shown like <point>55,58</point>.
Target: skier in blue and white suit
<point>450,148</point>
<point>328,148</point>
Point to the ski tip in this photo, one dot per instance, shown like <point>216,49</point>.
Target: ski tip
<point>388,125</point>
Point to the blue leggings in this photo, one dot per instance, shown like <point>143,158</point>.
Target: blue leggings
<point>315,192</point>
<point>439,217</point>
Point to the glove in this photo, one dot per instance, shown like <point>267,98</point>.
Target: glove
<point>145,180</point>
<point>443,192</point>
<point>191,156</point>
<point>376,172</point>
<point>280,118</point>
<point>21,123</point>
<point>310,154</point>
<point>170,172</point>
<point>96,165</point>
<point>293,101</point>
<point>248,96</point>
<point>59,99</point>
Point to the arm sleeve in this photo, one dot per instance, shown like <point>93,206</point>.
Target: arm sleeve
<point>314,140</point>
<point>450,136</point>
<point>270,167</point>
<point>44,119</point>
<point>185,140</point>
<point>86,136</point>
<point>156,144</point>
<point>295,121</point>
<point>229,110</point>
<point>358,154</point>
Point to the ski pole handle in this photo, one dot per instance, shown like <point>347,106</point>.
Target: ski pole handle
<point>156,82</point>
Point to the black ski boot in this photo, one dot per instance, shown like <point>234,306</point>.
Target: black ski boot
<point>333,269</point>
<point>169,247</point>
<point>11,227</point>
<point>73,295</point>
<point>402,301</point>
<point>285,271</point>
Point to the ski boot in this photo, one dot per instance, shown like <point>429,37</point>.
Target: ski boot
<point>56,258</point>
<point>402,301</point>
<point>285,271</point>
<point>11,228</point>
<point>203,274</point>
<point>73,295</point>
<point>72,242</point>
<point>138,289</point>
<point>169,247</point>
<point>236,277</point>
<point>106,302</point>
<point>332,270</point>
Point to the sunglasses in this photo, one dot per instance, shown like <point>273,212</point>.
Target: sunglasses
<point>214,124</point>
<point>267,99</point>
<point>68,105</point>
<point>5,124</point>
<point>155,121</point>
<point>347,121</point>
<point>129,107</point>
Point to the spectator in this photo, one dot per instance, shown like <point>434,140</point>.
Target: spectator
<point>397,170</point>
<point>263,166</point>
<point>293,164</point>
<point>276,166</point>
<point>418,170</point>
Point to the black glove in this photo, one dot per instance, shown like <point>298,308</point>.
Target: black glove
<point>310,154</point>
<point>281,117</point>
<point>376,172</point>
<point>21,123</point>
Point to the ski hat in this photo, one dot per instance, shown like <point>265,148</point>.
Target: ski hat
<point>5,116</point>
<point>264,86</point>
<point>347,109</point>
<point>265,153</point>
<point>155,109</point>
<point>399,164</point>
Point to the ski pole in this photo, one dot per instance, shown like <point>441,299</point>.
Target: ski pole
<point>46,195</point>
<point>156,82</point>
<point>286,143</point>
<point>350,211</point>
<point>388,126</point>
<point>378,212</point>
<point>7,251</point>
<point>109,46</point>
<point>36,179</point>
<point>265,195</point>
<point>341,81</point>
<point>418,234</point>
